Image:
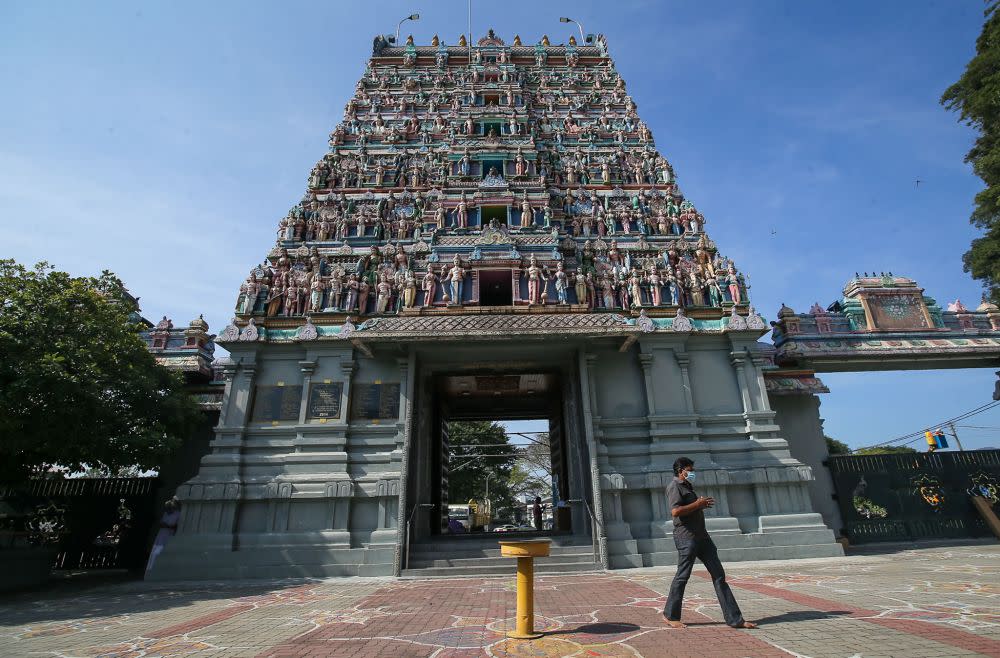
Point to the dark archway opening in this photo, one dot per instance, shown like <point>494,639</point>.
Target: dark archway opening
<point>496,288</point>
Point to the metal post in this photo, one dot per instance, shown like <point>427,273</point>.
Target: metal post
<point>955,435</point>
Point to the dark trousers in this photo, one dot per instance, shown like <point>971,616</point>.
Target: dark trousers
<point>702,549</point>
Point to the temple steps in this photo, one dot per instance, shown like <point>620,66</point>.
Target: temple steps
<point>480,556</point>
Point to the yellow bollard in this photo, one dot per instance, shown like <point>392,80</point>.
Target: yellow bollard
<point>525,551</point>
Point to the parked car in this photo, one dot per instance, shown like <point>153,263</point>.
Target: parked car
<point>504,528</point>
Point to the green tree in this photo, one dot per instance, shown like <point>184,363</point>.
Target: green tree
<point>976,96</point>
<point>835,447</point>
<point>78,388</point>
<point>480,449</point>
<point>883,450</point>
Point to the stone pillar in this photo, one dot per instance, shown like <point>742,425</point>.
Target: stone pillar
<point>347,368</point>
<point>407,371</point>
<point>646,361</point>
<point>683,361</point>
<point>758,369</point>
<point>229,512</point>
<point>738,359</point>
<point>588,397</point>
<point>307,368</point>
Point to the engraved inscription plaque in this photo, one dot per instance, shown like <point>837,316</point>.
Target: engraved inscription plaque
<point>324,400</point>
<point>274,403</point>
<point>375,401</point>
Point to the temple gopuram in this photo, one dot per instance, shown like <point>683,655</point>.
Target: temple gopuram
<point>492,234</point>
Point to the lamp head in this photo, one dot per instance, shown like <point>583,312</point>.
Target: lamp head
<point>414,17</point>
<point>563,19</point>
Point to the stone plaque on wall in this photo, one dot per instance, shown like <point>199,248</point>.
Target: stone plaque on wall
<point>898,311</point>
<point>274,403</point>
<point>375,401</point>
<point>324,400</point>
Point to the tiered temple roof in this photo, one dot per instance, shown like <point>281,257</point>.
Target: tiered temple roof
<point>492,179</point>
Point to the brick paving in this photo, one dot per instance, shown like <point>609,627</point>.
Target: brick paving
<point>917,603</point>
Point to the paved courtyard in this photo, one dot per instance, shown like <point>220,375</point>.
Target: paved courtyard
<point>942,601</point>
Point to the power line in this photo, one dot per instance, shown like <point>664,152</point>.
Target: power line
<point>919,433</point>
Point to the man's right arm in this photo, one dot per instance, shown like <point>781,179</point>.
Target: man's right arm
<point>684,510</point>
<point>676,509</point>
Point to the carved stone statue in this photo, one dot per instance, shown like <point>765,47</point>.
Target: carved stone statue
<point>429,286</point>
<point>457,278</point>
<point>534,275</point>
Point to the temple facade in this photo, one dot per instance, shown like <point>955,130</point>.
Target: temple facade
<point>492,234</point>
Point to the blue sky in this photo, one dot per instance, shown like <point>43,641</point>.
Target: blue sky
<point>165,140</point>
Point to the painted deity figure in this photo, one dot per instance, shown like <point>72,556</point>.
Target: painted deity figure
<point>336,288</point>
<point>429,286</point>
<point>607,292</point>
<point>462,213</point>
<point>580,284</point>
<point>316,290</point>
<point>353,285</point>
<point>695,289</point>
<point>733,283</point>
<point>561,283</point>
<point>655,286</point>
<point>465,164</point>
<point>383,292</point>
<point>527,212</point>
<point>635,287</point>
<point>534,276</point>
<point>457,278</point>
<point>714,291</point>
<point>409,290</point>
<point>364,289</point>
<point>520,164</point>
<point>591,291</point>
<point>440,216</point>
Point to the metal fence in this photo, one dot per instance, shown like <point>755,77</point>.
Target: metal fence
<point>915,495</point>
<point>93,523</point>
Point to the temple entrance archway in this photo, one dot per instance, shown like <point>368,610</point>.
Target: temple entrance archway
<point>517,390</point>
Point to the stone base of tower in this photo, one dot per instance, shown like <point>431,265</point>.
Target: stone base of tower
<point>781,537</point>
<point>268,556</point>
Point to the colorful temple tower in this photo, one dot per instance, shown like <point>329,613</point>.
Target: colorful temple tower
<point>492,234</point>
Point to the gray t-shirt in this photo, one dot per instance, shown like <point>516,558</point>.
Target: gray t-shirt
<point>689,526</point>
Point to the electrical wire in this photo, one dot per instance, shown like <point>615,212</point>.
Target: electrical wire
<point>919,433</point>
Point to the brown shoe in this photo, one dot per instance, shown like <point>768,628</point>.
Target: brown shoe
<point>673,623</point>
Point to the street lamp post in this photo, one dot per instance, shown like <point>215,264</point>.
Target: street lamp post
<point>488,500</point>
<point>565,19</point>
<point>411,17</point>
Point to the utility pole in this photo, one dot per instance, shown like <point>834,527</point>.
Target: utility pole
<point>955,435</point>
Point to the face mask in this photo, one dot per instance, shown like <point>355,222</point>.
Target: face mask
<point>690,477</point>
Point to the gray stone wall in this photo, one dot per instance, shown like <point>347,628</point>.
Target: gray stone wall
<point>327,497</point>
<point>802,426</point>
<point>702,397</point>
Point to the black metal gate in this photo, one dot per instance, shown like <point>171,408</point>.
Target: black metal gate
<point>93,523</point>
<point>915,495</point>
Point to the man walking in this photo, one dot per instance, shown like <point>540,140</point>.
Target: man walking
<point>692,541</point>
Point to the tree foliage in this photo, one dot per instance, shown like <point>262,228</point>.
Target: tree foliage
<point>835,447</point>
<point>976,97</point>
<point>883,450</point>
<point>533,470</point>
<point>78,387</point>
<point>478,449</point>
